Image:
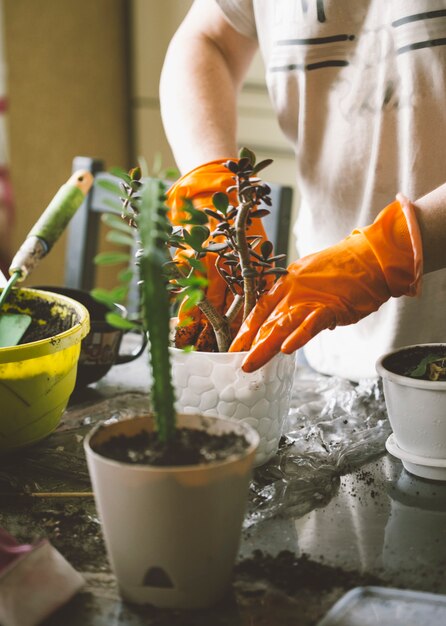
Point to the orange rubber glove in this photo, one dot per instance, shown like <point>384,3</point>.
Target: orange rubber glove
<point>336,286</point>
<point>199,185</point>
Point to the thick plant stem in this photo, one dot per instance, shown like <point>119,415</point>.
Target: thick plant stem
<point>248,272</point>
<point>219,323</point>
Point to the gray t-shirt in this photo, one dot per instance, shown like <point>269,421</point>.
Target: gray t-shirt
<point>359,88</point>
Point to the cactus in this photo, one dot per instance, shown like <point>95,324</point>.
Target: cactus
<point>153,228</point>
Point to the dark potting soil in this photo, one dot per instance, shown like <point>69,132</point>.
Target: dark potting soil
<point>405,361</point>
<point>44,323</point>
<point>189,446</point>
<point>291,573</point>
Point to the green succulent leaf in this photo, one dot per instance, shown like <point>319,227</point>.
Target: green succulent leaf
<point>220,200</point>
<point>246,153</point>
<point>261,165</point>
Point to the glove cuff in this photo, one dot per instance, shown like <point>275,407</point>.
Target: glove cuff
<point>395,239</point>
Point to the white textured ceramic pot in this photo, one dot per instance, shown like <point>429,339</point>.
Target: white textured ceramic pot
<point>417,414</point>
<point>172,533</point>
<point>213,383</point>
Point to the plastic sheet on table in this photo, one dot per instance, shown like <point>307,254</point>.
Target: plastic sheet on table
<point>333,426</point>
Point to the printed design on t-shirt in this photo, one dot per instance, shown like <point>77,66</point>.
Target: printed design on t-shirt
<point>320,10</point>
<point>334,52</point>
<point>436,30</point>
<point>408,33</point>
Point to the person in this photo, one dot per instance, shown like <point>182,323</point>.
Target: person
<point>358,89</point>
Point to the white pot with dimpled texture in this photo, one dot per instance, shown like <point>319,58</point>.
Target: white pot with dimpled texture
<point>213,383</point>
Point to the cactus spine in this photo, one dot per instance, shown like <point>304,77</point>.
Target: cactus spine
<point>154,228</point>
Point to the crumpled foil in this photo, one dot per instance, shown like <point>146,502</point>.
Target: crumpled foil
<point>333,426</point>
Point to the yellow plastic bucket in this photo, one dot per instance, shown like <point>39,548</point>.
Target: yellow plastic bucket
<point>38,377</point>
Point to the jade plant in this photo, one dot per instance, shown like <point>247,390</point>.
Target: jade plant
<point>246,266</point>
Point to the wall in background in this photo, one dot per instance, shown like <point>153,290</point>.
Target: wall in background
<point>68,89</point>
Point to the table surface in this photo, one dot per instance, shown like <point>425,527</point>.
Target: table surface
<point>379,526</point>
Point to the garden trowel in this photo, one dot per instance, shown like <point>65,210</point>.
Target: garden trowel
<point>39,241</point>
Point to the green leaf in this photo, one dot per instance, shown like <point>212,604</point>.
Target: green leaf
<point>125,276</point>
<point>111,258</point>
<point>246,153</point>
<point>196,237</point>
<point>119,294</point>
<point>120,322</point>
<point>120,238</point>
<point>109,185</point>
<point>120,173</point>
<point>196,217</point>
<point>196,264</point>
<point>262,165</point>
<point>420,369</point>
<point>117,223</point>
<point>266,248</point>
<point>103,296</point>
<point>114,205</point>
<point>194,297</point>
<point>189,349</point>
<point>220,201</point>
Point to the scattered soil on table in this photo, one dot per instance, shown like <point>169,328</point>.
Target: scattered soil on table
<point>189,446</point>
<point>291,574</point>
<point>286,589</point>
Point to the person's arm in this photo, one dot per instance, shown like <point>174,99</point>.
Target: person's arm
<point>346,282</point>
<point>202,74</point>
<point>430,211</point>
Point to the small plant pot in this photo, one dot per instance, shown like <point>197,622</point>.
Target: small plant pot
<point>417,412</point>
<point>37,377</point>
<point>213,383</point>
<point>172,533</point>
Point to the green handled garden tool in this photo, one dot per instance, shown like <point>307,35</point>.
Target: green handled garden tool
<point>39,241</point>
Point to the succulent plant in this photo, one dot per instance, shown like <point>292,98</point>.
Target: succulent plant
<point>241,262</point>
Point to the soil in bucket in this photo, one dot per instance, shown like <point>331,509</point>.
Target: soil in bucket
<point>44,323</point>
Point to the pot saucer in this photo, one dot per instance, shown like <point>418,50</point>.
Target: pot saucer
<point>426,467</point>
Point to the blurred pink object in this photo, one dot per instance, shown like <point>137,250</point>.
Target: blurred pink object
<point>35,580</point>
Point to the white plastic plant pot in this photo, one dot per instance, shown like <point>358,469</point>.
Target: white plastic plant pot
<point>172,533</point>
<point>213,383</point>
<point>417,415</point>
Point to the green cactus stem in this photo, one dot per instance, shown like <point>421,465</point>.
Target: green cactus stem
<point>153,230</point>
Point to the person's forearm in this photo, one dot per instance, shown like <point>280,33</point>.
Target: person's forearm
<point>431,215</point>
<point>201,76</point>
